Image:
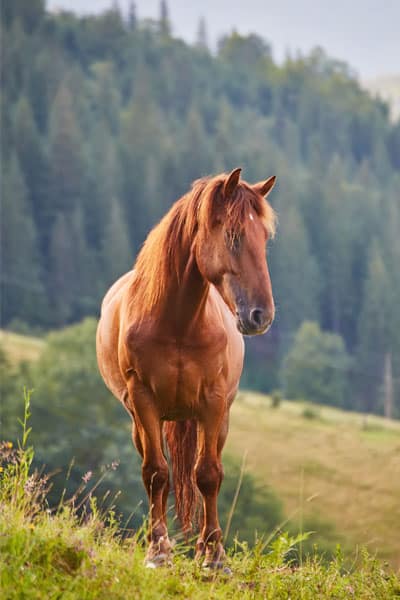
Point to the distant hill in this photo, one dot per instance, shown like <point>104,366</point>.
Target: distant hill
<point>326,464</point>
<point>387,88</point>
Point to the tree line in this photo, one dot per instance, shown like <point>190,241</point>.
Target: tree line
<point>107,119</point>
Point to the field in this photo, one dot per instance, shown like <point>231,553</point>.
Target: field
<point>344,467</point>
<point>51,555</point>
<point>334,470</point>
<point>20,347</point>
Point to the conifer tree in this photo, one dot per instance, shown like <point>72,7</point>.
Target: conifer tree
<point>294,273</point>
<point>202,36</point>
<point>132,18</point>
<point>22,292</point>
<point>116,248</point>
<point>165,26</point>
<point>374,334</point>
<point>30,151</point>
<point>66,181</point>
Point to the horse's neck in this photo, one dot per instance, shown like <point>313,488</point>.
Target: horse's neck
<point>185,297</point>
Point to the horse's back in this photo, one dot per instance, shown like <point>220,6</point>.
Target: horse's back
<point>116,289</point>
<point>108,334</point>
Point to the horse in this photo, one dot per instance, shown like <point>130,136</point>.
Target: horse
<point>170,346</point>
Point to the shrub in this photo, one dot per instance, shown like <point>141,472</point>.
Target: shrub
<point>316,366</point>
<point>276,398</point>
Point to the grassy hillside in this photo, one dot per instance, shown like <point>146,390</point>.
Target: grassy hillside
<point>50,555</point>
<point>343,467</point>
<point>20,347</point>
<point>337,472</point>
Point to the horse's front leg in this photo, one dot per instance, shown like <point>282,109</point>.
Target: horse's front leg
<point>155,472</point>
<point>212,433</point>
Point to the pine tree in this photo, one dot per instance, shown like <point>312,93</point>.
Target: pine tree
<point>132,18</point>
<point>22,292</point>
<point>61,270</point>
<point>373,332</point>
<point>142,138</point>
<point>165,27</point>
<point>202,36</point>
<point>116,249</point>
<point>294,274</point>
<point>72,282</point>
<point>66,183</point>
<point>32,159</point>
<point>104,176</point>
<point>196,152</point>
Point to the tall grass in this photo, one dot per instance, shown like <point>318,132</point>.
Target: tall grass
<point>79,550</point>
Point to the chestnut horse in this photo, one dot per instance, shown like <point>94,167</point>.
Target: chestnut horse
<point>169,344</point>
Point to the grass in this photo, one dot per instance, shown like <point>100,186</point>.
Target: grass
<point>336,469</point>
<point>347,464</point>
<point>53,554</point>
<point>19,347</point>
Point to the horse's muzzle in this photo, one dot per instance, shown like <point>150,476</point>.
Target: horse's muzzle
<point>254,322</point>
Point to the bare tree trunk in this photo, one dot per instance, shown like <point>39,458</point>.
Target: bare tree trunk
<point>388,386</point>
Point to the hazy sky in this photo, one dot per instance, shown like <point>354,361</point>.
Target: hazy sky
<point>364,33</point>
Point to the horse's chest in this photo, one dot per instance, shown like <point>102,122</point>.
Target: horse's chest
<point>181,376</point>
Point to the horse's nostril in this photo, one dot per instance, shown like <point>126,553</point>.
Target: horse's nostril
<point>257,317</point>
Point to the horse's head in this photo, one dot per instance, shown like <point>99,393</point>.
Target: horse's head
<point>231,249</point>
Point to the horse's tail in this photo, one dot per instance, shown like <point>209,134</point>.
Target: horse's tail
<point>181,439</point>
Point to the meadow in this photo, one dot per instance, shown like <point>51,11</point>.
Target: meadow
<point>58,554</point>
<point>336,473</point>
<point>342,467</point>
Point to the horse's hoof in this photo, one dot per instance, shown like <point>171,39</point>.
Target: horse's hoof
<point>218,566</point>
<point>160,560</point>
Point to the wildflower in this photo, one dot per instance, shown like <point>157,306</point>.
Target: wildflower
<point>1,469</point>
<point>7,454</point>
<point>114,464</point>
<point>87,476</point>
<point>30,484</point>
<point>31,526</point>
<point>36,485</point>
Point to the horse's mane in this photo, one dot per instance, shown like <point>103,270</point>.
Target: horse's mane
<point>169,242</point>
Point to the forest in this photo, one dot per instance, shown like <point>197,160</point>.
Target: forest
<point>107,119</point>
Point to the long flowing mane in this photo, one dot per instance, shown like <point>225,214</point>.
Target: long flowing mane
<point>169,242</point>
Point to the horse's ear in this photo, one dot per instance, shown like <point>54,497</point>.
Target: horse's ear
<point>264,187</point>
<point>231,182</point>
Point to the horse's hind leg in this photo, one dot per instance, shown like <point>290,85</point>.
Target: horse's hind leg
<point>155,472</point>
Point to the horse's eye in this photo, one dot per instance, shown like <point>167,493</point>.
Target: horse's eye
<point>233,240</point>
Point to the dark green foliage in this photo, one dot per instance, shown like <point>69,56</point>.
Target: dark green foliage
<point>22,291</point>
<point>110,121</point>
<point>316,367</point>
<point>376,335</point>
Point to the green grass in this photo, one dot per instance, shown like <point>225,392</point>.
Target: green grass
<point>58,557</point>
<point>337,472</point>
<point>53,554</point>
<point>341,467</point>
<point>19,347</point>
